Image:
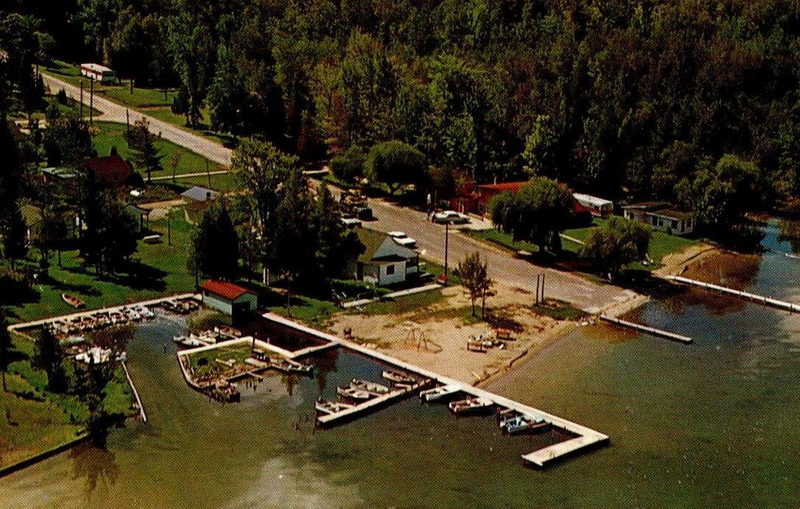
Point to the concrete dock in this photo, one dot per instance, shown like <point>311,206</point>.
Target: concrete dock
<point>752,297</point>
<point>586,437</point>
<point>139,404</point>
<point>648,330</point>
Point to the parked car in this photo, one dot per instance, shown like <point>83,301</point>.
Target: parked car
<point>450,217</point>
<point>351,222</point>
<point>403,239</point>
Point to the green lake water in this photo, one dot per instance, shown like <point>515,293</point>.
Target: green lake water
<point>712,424</point>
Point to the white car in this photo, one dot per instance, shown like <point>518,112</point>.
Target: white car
<point>450,217</point>
<point>403,239</point>
<point>351,222</point>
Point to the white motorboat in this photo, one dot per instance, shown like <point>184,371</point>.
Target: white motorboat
<point>470,405</point>
<point>438,393</point>
<point>368,386</point>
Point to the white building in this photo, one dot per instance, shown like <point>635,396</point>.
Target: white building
<point>227,297</point>
<point>599,207</point>
<point>661,217</point>
<point>384,261</point>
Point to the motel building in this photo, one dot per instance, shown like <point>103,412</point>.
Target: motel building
<point>228,298</point>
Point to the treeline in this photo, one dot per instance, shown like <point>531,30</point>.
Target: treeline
<point>625,99</point>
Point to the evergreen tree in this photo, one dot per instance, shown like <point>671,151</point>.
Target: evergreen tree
<point>5,346</point>
<point>216,245</point>
<point>141,141</point>
<point>49,356</point>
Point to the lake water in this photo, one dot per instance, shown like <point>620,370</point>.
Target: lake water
<point>712,424</point>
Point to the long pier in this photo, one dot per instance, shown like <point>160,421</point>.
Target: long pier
<point>649,330</point>
<point>752,297</point>
<point>586,437</point>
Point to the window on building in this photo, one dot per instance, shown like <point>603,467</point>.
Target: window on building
<point>674,223</point>
<point>389,270</point>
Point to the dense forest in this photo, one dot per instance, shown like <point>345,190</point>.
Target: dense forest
<point>625,99</point>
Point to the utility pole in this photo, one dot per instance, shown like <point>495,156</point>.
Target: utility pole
<point>127,121</point>
<point>91,102</point>
<point>537,288</point>
<point>208,174</point>
<point>81,101</point>
<point>446,246</point>
<point>543,288</point>
<point>169,227</point>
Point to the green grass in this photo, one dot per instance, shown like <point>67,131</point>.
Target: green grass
<point>403,304</point>
<point>109,134</point>
<point>661,244</point>
<point>559,310</point>
<point>205,362</point>
<point>308,310</point>
<point>223,183</point>
<point>161,270</point>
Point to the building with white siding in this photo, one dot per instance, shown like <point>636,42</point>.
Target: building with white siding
<point>228,298</point>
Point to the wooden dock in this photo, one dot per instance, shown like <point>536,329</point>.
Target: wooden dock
<point>752,297</point>
<point>648,330</point>
<point>586,439</point>
<point>371,405</point>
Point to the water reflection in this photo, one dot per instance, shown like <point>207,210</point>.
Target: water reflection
<point>97,466</point>
<point>789,231</point>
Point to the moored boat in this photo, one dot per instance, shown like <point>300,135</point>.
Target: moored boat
<point>398,377</point>
<point>470,405</point>
<point>353,394</point>
<point>368,386</point>
<point>73,301</point>
<point>331,407</point>
<point>523,423</point>
<point>438,393</point>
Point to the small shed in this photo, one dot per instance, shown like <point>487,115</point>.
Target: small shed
<point>228,298</point>
<point>384,261</point>
<point>198,193</point>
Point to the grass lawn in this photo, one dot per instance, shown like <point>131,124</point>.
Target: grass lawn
<point>223,183</point>
<point>402,304</point>
<point>159,270</point>
<point>152,101</point>
<point>205,362</point>
<point>109,134</point>
<point>661,244</point>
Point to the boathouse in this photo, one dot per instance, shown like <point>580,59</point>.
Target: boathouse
<point>228,298</point>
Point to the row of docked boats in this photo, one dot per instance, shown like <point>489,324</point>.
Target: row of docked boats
<point>207,337</point>
<point>261,359</point>
<point>65,328</point>
<point>360,391</point>
<point>181,306</point>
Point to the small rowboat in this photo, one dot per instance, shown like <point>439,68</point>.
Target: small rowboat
<point>792,256</point>
<point>353,393</point>
<point>398,377</point>
<point>331,407</point>
<point>73,301</point>
<point>470,406</point>
<point>438,393</point>
<point>372,387</point>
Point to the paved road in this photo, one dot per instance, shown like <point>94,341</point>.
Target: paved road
<point>113,112</point>
<point>430,237</point>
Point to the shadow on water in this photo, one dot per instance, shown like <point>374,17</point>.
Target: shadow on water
<point>96,466</point>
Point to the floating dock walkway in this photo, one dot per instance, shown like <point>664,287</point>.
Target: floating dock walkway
<point>752,297</point>
<point>586,438</point>
<point>139,404</point>
<point>649,330</point>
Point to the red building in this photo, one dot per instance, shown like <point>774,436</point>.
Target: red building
<point>110,170</point>
<point>474,198</point>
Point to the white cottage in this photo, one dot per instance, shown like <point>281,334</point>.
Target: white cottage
<point>227,297</point>
<point>384,261</point>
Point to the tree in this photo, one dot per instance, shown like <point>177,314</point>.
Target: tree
<point>5,346</point>
<point>15,236</point>
<point>729,190</point>
<point>617,243</point>
<point>49,356</point>
<point>396,164</point>
<point>142,143</point>
<point>67,142</point>
<point>540,148</point>
<point>227,96</point>
<point>336,245</point>
<point>51,231</point>
<point>474,275</point>
<point>215,244</point>
<point>349,165</point>
<point>539,209</point>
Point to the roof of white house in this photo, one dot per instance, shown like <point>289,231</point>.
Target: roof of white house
<point>379,247</point>
<point>594,201</point>
<point>97,67</point>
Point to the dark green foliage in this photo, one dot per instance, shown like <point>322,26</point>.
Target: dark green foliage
<point>349,165</point>
<point>67,142</point>
<point>216,244</point>
<point>540,208</point>
<point>110,233</point>
<point>49,357</point>
<point>395,164</point>
<point>474,277</point>
<point>617,243</point>
<point>15,234</point>
<point>142,143</point>
<point>5,345</point>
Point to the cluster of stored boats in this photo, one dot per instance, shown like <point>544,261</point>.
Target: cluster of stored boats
<point>64,329</point>
<point>207,337</point>
<point>360,391</point>
<point>181,306</point>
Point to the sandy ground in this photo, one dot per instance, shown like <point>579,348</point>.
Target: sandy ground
<point>676,264</point>
<point>435,337</point>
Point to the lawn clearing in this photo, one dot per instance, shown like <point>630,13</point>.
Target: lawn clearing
<point>205,362</point>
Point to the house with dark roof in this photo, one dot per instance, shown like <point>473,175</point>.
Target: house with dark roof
<point>661,216</point>
<point>384,261</point>
<point>110,170</point>
<point>227,297</point>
